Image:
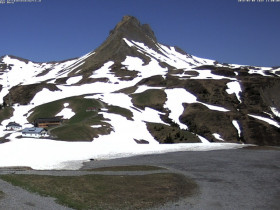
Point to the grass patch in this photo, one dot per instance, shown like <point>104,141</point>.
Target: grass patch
<point>74,132</point>
<point>108,192</point>
<point>121,111</point>
<point>46,110</point>
<point>153,98</point>
<point>80,105</point>
<point>1,194</point>
<point>6,113</point>
<point>128,168</point>
<point>81,131</point>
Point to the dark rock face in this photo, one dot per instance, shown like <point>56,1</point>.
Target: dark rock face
<point>206,122</point>
<point>260,133</point>
<point>212,92</point>
<point>258,95</point>
<point>270,93</point>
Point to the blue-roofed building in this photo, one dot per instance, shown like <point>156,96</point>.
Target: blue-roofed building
<point>34,132</point>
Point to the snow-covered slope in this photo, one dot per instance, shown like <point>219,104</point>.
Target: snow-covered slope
<point>145,93</point>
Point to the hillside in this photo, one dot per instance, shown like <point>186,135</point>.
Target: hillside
<point>143,92</point>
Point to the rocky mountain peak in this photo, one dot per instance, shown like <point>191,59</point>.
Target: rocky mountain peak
<point>131,28</point>
<point>127,20</point>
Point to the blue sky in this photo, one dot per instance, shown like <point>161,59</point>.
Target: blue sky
<point>223,30</point>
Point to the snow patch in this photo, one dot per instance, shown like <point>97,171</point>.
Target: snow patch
<point>203,140</point>
<point>127,130</point>
<point>215,108</point>
<point>269,121</point>
<point>19,114</point>
<point>175,99</point>
<point>73,80</point>
<point>275,111</point>
<point>151,69</point>
<point>96,126</point>
<point>234,87</point>
<point>207,74</point>
<point>236,125</point>
<point>66,113</point>
<point>104,71</point>
<point>218,136</point>
<point>143,88</point>
<point>262,71</point>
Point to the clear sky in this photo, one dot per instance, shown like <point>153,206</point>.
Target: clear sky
<point>225,30</point>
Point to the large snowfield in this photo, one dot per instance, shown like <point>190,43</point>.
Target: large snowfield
<point>43,154</point>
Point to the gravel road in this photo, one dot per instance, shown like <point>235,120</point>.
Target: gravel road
<point>227,179</point>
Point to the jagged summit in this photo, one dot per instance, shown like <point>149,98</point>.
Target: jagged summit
<point>131,28</point>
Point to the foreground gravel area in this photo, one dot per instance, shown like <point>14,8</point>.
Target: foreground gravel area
<point>227,179</point>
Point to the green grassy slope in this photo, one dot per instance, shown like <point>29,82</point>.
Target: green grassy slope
<point>77,128</point>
